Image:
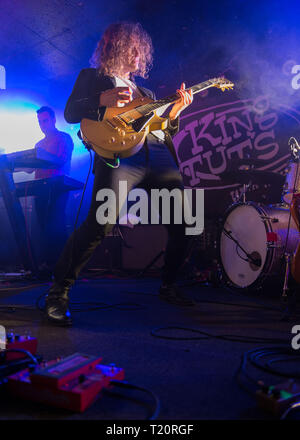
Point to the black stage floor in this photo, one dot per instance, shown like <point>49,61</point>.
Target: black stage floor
<point>193,379</point>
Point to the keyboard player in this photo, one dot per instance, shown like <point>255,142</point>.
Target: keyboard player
<point>50,208</point>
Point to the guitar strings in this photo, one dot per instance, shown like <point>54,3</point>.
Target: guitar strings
<point>145,109</point>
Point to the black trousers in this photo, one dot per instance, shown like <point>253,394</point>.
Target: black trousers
<point>152,167</point>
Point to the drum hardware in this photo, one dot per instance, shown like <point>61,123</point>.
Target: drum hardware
<point>294,147</point>
<point>271,244</point>
<point>292,179</point>
<point>253,258</point>
<point>288,297</point>
<point>252,242</point>
<point>246,163</point>
<point>285,288</point>
<point>260,186</point>
<point>268,232</point>
<point>243,193</point>
<point>295,150</point>
<point>249,176</point>
<point>272,219</point>
<point>295,265</point>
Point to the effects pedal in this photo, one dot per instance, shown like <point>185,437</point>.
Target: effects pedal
<point>61,371</point>
<point>72,383</point>
<point>18,342</point>
<point>277,398</point>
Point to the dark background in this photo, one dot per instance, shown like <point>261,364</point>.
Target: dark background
<point>44,44</point>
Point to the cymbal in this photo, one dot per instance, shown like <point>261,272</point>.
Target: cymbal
<point>254,176</point>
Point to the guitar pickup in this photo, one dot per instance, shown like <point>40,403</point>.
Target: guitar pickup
<point>124,121</point>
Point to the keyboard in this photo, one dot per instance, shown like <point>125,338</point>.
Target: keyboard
<point>33,158</point>
<point>38,187</point>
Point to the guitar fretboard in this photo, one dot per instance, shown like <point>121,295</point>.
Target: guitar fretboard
<point>150,107</point>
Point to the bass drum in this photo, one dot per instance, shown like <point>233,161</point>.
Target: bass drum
<point>253,242</point>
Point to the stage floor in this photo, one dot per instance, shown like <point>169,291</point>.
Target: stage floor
<point>114,318</point>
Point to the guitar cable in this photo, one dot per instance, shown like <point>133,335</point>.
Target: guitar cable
<point>116,159</point>
<point>116,156</point>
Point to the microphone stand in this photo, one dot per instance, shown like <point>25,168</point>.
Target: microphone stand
<point>287,295</point>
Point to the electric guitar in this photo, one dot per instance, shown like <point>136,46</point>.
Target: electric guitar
<point>122,131</point>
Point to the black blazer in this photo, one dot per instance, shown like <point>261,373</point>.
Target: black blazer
<point>84,102</point>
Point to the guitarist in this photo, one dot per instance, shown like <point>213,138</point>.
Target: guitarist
<point>124,52</point>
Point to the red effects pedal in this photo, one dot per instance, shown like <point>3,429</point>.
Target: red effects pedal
<point>18,342</point>
<point>72,383</point>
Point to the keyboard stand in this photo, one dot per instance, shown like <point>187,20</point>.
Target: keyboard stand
<point>16,218</point>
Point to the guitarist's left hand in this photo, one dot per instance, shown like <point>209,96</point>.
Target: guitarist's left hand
<point>186,98</point>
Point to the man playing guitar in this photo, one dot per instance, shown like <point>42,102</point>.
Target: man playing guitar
<point>124,52</point>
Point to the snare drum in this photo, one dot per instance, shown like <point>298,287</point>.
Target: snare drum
<point>253,240</point>
<point>292,182</point>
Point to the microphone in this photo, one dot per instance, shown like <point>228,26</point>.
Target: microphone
<point>254,258</point>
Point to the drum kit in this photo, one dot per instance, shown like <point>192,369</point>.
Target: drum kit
<point>258,242</point>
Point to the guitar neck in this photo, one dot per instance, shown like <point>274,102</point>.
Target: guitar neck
<point>148,108</point>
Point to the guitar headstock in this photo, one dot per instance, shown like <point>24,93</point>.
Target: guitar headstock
<point>295,148</point>
<point>222,83</point>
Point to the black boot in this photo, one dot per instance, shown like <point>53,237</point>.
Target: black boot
<point>172,294</point>
<point>57,302</point>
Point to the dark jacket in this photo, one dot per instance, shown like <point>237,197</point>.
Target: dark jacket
<point>84,102</point>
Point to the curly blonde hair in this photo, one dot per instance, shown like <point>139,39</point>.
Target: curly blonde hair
<point>115,46</point>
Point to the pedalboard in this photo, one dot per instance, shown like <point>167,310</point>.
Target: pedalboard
<point>72,383</point>
<point>277,398</point>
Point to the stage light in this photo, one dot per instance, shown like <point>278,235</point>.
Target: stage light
<point>19,128</point>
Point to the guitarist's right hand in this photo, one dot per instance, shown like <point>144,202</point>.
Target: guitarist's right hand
<point>117,97</point>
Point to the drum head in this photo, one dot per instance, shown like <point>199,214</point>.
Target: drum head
<point>245,225</point>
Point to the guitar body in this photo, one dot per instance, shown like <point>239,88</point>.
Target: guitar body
<point>295,210</point>
<point>123,130</point>
<point>115,136</point>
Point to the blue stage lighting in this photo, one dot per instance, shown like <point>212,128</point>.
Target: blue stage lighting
<point>19,128</point>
